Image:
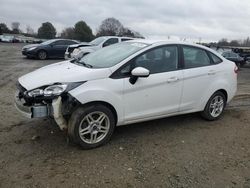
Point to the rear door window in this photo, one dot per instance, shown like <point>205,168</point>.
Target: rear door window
<point>125,39</point>
<point>215,58</point>
<point>195,57</point>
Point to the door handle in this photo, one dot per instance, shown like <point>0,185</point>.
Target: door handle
<point>211,72</point>
<point>172,79</point>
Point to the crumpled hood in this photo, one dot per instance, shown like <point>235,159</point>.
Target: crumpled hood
<point>62,72</point>
<point>81,44</point>
<point>89,48</point>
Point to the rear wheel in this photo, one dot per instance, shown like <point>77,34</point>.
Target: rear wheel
<point>91,126</point>
<point>215,106</point>
<point>42,55</point>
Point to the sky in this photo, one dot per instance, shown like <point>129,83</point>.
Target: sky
<point>205,20</point>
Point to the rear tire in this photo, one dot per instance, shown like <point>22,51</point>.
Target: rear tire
<point>91,126</point>
<point>214,107</point>
<point>42,55</point>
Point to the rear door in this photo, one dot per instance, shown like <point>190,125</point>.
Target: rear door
<point>199,73</point>
<point>59,48</point>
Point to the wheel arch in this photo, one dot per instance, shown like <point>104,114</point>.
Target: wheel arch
<point>111,107</point>
<point>206,98</point>
<point>224,92</point>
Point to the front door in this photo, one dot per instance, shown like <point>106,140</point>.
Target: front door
<point>160,93</point>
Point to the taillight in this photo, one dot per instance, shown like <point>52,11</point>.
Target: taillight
<point>236,69</point>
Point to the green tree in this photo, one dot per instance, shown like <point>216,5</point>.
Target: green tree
<point>46,31</point>
<point>4,28</point>
<point>83,32</point>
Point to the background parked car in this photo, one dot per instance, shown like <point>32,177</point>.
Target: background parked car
<point>94,45</point>
<point>243,52</point>
<point>54,48</point>
<point>7,38</point>
<point>239,61</point>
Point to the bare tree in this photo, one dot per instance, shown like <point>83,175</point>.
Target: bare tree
<point>15,27</point>
<point>223,42</point>
<point>246,42</point>
<point>234,43</point>
<point>29,30</point>
<point>68,33</point>
<point>113,27</point>
<point>110,27</point>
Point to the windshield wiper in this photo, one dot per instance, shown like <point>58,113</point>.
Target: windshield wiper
<point>77,61</point>
<point>85,64</point>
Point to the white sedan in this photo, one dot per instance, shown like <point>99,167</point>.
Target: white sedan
<point>129,82</point>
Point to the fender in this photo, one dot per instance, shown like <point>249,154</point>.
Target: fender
<point>218,85</point>
<point>98,90</point>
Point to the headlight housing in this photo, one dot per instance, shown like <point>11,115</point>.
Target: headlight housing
<point>53,90</point>
<point>35,93</point>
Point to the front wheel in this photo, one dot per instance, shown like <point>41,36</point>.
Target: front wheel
<point>42,55</point>
<point>91,126</point>
<point>214,107</point>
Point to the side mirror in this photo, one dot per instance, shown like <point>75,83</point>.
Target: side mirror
<point>138,72</point>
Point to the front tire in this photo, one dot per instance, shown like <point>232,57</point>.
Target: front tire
<point>42,55</point>
<point>91,126</point>
<point>214,107</point>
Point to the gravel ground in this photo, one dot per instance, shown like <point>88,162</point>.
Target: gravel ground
<point>182,151</point>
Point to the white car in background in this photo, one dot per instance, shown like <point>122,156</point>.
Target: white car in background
<point>130,82</point>
<point>7,38</point>
<point>77,51</point>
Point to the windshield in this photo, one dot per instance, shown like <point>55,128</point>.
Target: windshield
<point>111,55</point>
<point>97,41</point>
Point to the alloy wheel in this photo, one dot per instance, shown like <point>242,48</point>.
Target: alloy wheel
<point>94,127</point>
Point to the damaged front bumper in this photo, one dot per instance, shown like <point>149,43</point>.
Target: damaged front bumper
<point>36,111</point>
<point>43,110</point>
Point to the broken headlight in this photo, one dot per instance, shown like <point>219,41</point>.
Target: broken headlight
<point>53,90</point>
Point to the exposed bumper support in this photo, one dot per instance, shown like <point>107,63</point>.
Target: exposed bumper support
<point>57,113</point>
<point>39,111</point>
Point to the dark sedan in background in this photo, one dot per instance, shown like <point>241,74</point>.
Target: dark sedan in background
<point>239,61</point>
<point>54,48</point>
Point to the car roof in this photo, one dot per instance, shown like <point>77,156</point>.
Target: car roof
<point>162,42</point>
<point>54,40</point>
<point>116,37</point>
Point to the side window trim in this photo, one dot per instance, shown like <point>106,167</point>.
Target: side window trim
<point>116,75</point>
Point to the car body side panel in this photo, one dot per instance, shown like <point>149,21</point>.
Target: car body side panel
<point>105,90</point>
<point>205,85</point>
